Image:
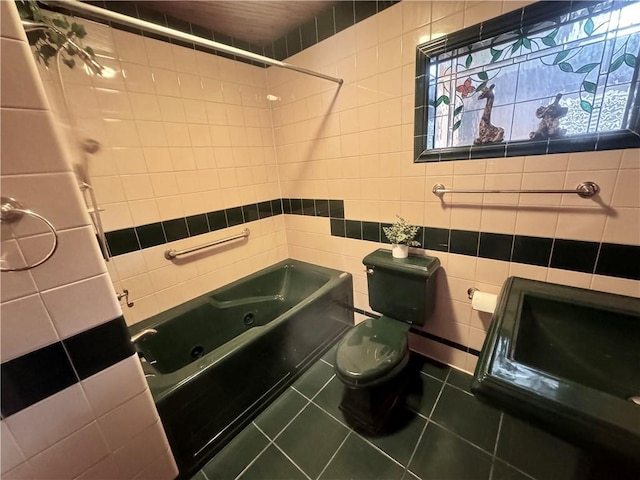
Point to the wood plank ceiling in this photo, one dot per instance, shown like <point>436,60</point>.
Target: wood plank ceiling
<point>258,22</point>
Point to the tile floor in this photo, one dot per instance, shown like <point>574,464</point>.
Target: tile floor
<point>441,432</point>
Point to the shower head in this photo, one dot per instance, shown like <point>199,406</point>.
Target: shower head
<point>95,67</point>
<point>90,145</point>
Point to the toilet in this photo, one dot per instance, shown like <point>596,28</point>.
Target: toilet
<point>371,358</point>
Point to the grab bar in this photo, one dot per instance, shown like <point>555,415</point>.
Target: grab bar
<point>171,254</point>
<point>584,189</point>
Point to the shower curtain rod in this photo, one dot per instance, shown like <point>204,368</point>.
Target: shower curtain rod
<point>78,6</point>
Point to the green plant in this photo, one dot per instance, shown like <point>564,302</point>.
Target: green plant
<point>401,232</point>
<point>62,36</point>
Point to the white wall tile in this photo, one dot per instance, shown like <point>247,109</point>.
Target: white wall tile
<point>54,196</point>
<point>76,307</point>
<point>10,22</point>
<point>35,428</point>
<point>105,469</point>
<point>25,326</point>
<point>20,154</point>
<point>19,87</point>
<point>23,471</point>
<point>14,284</point>
<point>141,451</point>
<point>76,258</point>
<point>71,456</point>
<point>128,420</point>
<point>115,385</point>
<point>11,454</point>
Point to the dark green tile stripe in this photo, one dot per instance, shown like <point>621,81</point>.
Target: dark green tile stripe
<point>607,259</point>
<point>37,375</point>
<point>330,21</point>
<point>131,239</point>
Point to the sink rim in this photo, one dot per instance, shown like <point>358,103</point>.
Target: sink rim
<point>499,375</point>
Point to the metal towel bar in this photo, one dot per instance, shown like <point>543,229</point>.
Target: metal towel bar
<point>171,254</point>
<point>584,189</point>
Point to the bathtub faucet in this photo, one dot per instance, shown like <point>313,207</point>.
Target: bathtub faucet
<point>143,333</point>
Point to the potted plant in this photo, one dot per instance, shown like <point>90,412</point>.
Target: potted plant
<point>401,235</point>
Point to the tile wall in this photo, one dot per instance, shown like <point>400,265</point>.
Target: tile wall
<point>356,143</point>
<point>95,420</point>
<point>182,133</point>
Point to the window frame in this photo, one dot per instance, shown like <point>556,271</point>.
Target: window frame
<point>521,18</point>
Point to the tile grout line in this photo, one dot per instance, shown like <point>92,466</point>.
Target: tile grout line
<point>424,429</point>
<point>495,447</point>
<point>258,455</point>
<point>289,422</point>
<point>291,460</point>
<point>335,453</point>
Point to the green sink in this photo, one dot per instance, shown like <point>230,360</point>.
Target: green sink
<point>568,359</point>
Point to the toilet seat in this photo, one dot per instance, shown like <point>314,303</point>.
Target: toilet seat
<point>372,352</point>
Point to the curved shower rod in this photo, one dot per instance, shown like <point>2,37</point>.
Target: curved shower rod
<point>78,6</point>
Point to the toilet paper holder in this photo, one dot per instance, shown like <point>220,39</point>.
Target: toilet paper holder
<point>470,292</point>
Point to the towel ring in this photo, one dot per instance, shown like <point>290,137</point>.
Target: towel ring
<point>11,211</point>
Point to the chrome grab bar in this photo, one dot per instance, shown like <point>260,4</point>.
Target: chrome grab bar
<point>171,254</point>
<point>584,189</point>
<point>11,211</point>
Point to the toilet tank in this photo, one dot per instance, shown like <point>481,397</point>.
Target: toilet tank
<point>402,288</point>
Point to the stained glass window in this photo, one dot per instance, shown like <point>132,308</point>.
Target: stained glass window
<point>557,80</point>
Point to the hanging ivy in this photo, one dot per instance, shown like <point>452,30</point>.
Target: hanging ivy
<point>47,43</point>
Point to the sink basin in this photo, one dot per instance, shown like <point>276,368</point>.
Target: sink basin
<point>567,359</point>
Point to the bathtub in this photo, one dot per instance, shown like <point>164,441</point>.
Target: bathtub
<point>218,360</point>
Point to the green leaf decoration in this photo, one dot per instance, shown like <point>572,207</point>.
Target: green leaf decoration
<point>586,106</point>
<point>79,30</point>
<point>69,62</point>
<point>587,68</point>
<point>565,67</point>
<point>442,99</point>
<point>483,76</point>
<point>561,56</point>
<point>61,22</point>
<point>588,27</point>
<point>616,63</point>
<point>589,87</point>
<point>481,86</point>
<point>553,33</point>
<point>526,43</point>
<point>516,46</point>
<point>630,60</point>
<point>495,54</point>
<point>47,51</point>
<point>549,41</point>
<point>457,125</point>
<point>432,103</point>
<point>457,111</point>
<point>469,61</point>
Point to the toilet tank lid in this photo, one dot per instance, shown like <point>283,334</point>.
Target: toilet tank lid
<point>421,265</point>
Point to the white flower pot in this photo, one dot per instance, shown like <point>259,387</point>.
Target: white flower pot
<point>399,250</point>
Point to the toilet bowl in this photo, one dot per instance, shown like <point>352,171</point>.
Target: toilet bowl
<point>372,357</point>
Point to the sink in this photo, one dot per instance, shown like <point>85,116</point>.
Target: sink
<point>567,359</point>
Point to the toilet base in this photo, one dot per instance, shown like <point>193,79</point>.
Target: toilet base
<point>368,409</point>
